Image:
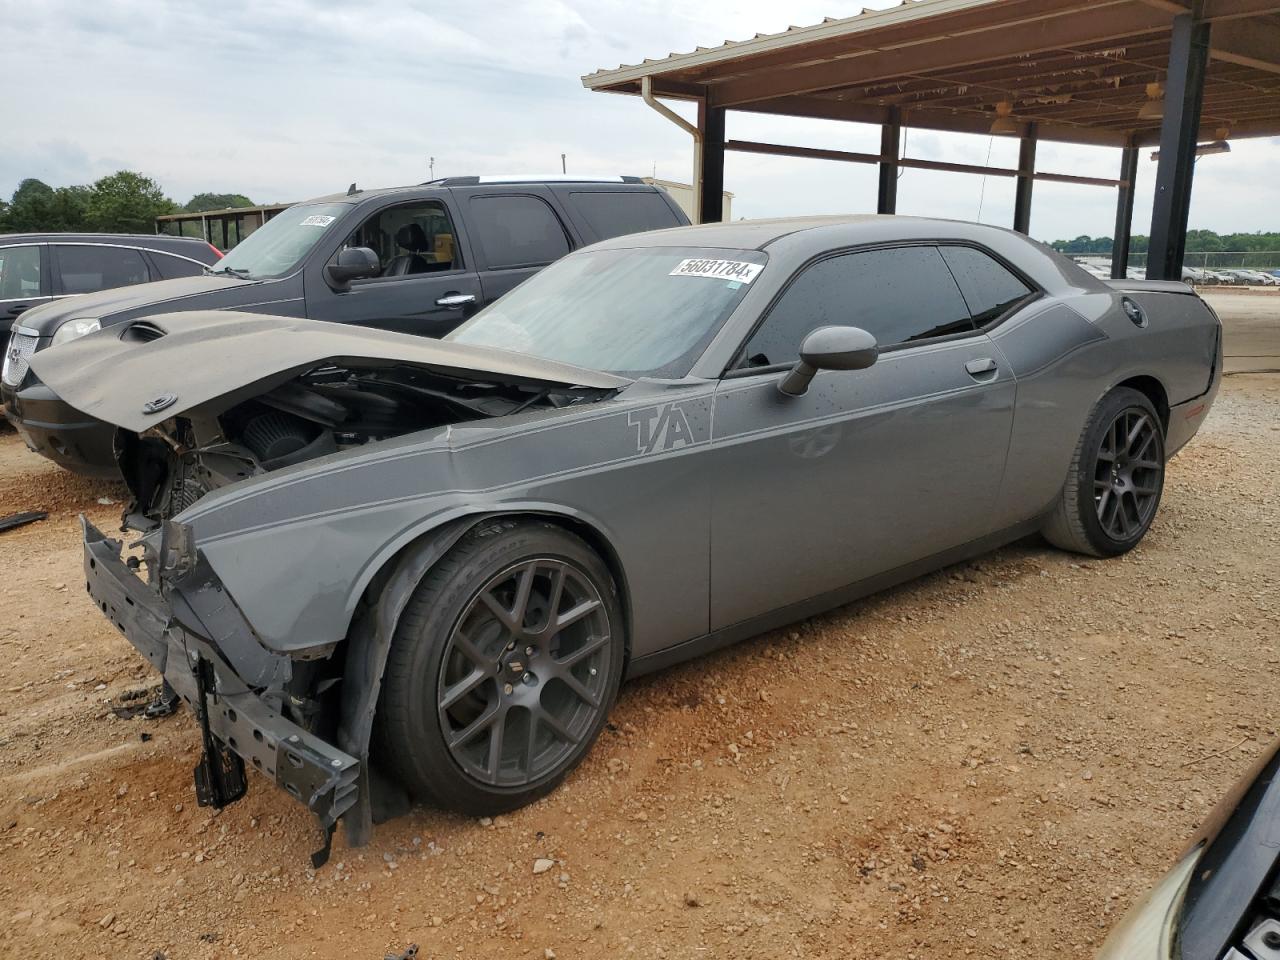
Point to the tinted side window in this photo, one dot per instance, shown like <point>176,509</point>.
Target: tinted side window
<point>85,269</point>
<point>170,266</point>
<point>988,286</point>
<point>898,295</point>
<point>615,214</point>
<point>19,272</point>
<point>517,231</point>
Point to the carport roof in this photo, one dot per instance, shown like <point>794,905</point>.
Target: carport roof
<point>1078,69</point>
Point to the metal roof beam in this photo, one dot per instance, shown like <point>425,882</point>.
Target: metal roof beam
<point>924,119</point>
<point>846,156</point>
<point>1216,10</point>
<point>1255,43</point>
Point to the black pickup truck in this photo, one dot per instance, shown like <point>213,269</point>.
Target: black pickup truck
<point>416,259</point>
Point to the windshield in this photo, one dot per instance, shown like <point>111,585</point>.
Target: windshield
<point>646,311</point>
<point>278,246</point>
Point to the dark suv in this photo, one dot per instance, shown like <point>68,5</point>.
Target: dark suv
<point>415,259</point>
<point>38,267</point>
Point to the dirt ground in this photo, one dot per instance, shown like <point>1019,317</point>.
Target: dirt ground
<point>993,761</point>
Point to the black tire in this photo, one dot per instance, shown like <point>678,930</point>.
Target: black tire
<point>1113,487</point>
<point>444,641</point>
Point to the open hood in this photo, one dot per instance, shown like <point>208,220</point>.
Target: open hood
<point>139,373</point>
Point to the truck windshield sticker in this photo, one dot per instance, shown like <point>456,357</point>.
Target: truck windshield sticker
<point>318,221</point>
<point>738,270</point>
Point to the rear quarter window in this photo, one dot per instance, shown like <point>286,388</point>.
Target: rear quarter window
<point>989,287</point>
<point>517,231</point>
<point>616,213</point>
<point>87,268</point>
<point>170,266</point>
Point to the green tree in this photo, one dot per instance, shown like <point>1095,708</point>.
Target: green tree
<point>1204,240</point>
<point>31,206</point>
<point>126,202</point>
<point>68,210</point>
<point>202,202</point>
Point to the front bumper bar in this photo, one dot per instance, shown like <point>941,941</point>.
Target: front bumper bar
<point>313,771</point>
<point>59,432</point>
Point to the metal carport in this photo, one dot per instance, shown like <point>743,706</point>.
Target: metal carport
<point>1119,73</point>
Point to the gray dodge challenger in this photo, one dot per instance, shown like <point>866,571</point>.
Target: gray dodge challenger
<point>379,567</point>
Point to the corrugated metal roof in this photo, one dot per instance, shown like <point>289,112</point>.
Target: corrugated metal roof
<point>1081,70</point>
<point>829,28</point>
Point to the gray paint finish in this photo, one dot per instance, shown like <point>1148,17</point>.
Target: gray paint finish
<point>818,484</point>
<point>723,505</point>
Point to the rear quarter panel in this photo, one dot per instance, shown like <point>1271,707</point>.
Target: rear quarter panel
<point>1069,352</point>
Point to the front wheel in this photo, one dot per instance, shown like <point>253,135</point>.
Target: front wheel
<point>1116,477</point>
<point>502,670</point>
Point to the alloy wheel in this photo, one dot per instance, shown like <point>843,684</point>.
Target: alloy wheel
<point>525,672</point>
<point>1127,474</point>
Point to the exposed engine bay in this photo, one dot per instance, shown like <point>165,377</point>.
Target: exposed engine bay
<point>324,411</point>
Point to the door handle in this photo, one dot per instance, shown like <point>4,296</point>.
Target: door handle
<point>456,300</point>
<point>18,308</point>
<point>981,368</point>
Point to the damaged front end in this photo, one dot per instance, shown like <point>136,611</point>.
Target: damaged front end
<point>182,622</point>
<point>252,587</point>
<point>171,466</point>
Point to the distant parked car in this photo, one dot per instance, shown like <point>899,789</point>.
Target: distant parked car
<point>418,259</point>
<point>36,268</point>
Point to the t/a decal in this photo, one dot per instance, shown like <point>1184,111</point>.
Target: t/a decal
<point>660,428</point>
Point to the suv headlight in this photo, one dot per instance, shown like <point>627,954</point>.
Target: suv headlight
<point>1147,931</point>
<point>75,329</point>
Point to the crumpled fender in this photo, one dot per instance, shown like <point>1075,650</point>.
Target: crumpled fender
<point>369,644</point>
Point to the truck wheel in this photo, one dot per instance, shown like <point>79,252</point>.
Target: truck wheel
<point>503,668</point>
<point>1115,480</point>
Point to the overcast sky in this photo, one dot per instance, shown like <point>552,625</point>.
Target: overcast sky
<point>286,99</point>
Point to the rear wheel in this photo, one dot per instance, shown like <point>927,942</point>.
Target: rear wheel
<point>503,669</point>
<point>1113,486</point>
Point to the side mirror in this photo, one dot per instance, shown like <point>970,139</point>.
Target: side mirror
<point>353,263</point>
<point>829,348</point>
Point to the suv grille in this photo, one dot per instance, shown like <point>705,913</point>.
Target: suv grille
<point>17,358</point>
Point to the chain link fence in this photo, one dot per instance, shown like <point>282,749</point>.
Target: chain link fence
<point>1263,260</point>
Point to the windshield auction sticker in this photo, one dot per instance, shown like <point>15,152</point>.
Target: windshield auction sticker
<point>317,221</point>
<point>738,270</point>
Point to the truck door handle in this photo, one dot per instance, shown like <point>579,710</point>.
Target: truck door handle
<point>981,369</point>
<point>456,300</point>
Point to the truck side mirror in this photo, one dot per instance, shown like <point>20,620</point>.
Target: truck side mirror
<point>353,263</point>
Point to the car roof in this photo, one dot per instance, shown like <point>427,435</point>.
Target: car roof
<point>834,230</point>
<point>410,190</point>
<point>139,239</point>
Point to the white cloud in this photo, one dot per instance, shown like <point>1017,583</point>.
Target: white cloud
<point>285,99</point>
